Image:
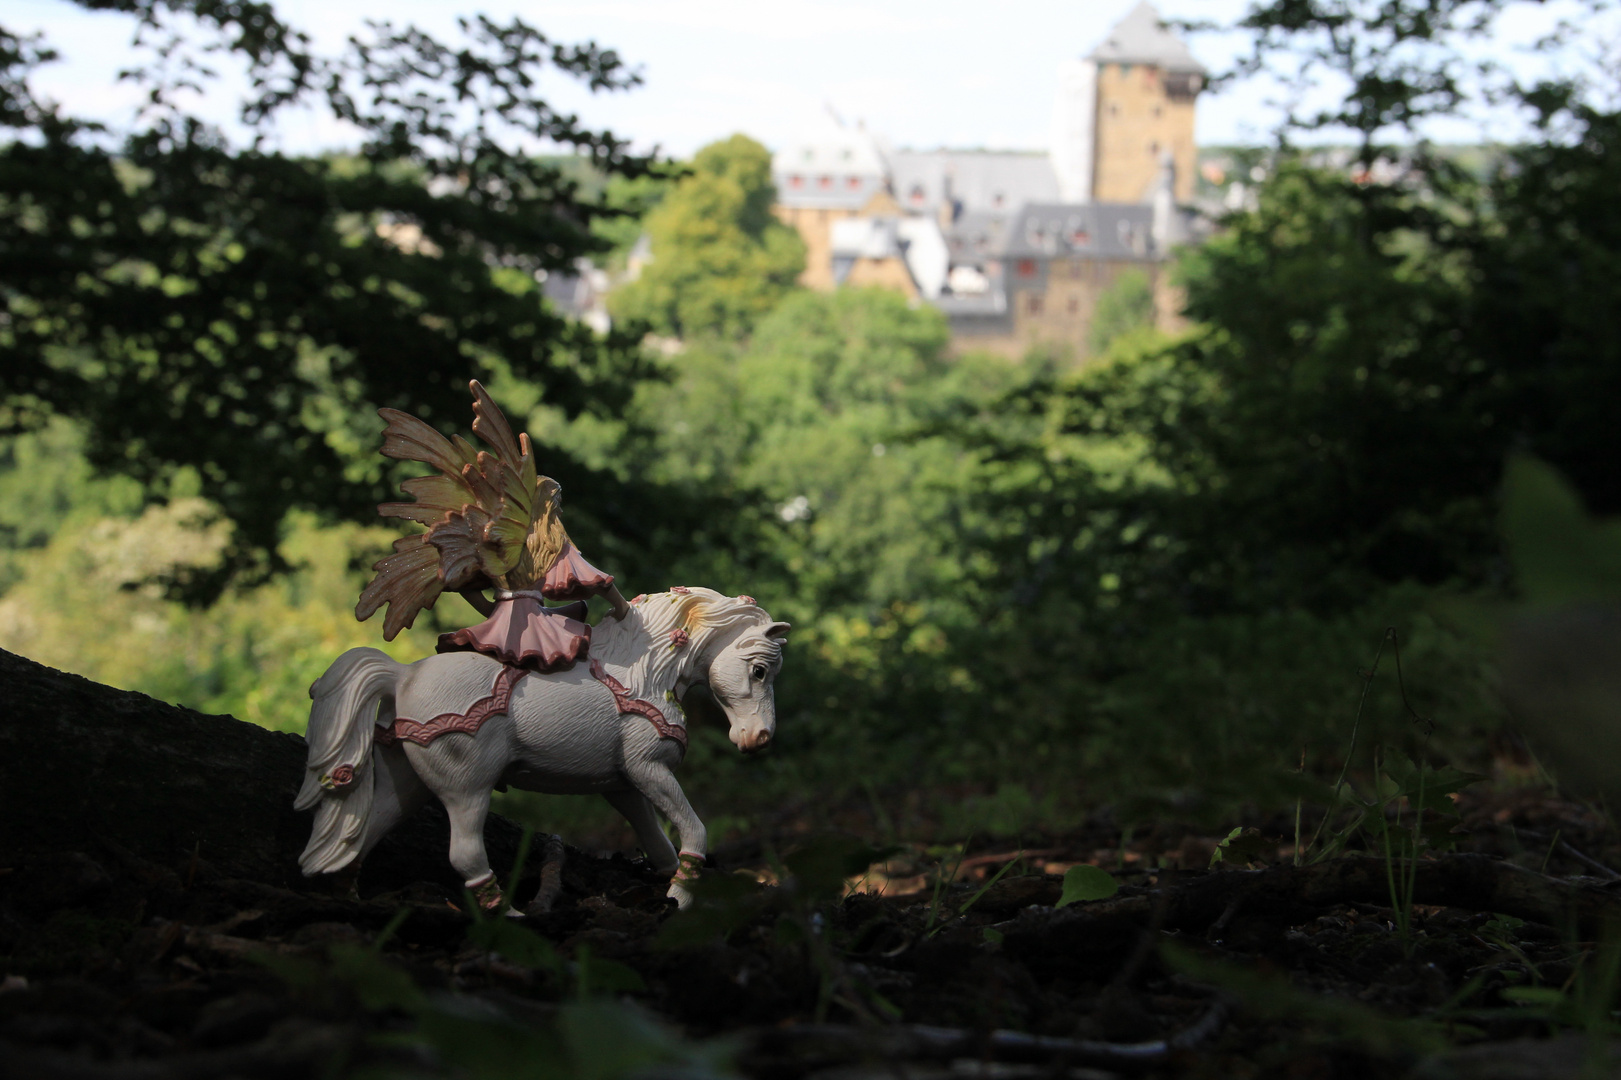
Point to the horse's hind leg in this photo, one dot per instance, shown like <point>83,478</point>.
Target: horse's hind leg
<point>639,812</point>
<point>397,795</point>
<point>461,769</point>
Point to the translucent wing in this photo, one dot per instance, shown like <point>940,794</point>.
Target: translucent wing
<point>479,512</point>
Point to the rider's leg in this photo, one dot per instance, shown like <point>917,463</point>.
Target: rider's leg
<point>654,779</point>
<point>639,812</point>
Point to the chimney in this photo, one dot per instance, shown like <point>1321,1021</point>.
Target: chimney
<point>1169,228</point>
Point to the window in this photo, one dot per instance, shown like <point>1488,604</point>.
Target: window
<point>853,183</point>
<point>1153,147</point>
<point>796,181</point>
<point>1073,305</point>
<point>824,182</point>
<point>917,194</point>
<point>1032,304</point>
<point>1159,110</point>
<point>1114,108</point>
<point>997,199</point>
<point>1027,268</point>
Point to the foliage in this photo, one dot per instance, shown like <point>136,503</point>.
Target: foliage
<point>239,313</point>
<point>1084,883</point>
<point>720,260</point>
<point>1126,305</point>
<point>1399,63</point>
<point>589,1039</point>
<point>88,593</point>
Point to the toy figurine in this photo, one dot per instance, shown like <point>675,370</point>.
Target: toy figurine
<point>532,697</point>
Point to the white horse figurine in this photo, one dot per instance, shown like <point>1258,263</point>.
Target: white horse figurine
<point>594,728</point>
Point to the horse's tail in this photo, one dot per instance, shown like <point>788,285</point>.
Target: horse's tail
<point>339,777</point>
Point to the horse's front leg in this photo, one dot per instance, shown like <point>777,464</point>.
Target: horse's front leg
<point>654,779</point>
<point>639,812</point>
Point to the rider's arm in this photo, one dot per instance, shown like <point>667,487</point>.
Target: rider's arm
<point>481,604</point>
<point>620,607</point>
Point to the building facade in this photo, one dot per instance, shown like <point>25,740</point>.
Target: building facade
<point>1015,248</point>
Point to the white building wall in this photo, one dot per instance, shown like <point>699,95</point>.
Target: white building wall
<point>1073,134</point>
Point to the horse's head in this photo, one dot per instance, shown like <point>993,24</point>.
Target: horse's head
<point>741,677</point>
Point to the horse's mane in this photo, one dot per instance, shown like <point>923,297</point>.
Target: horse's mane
<point>640,642</point>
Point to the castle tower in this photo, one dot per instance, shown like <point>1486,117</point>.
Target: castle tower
<point>1121,109</point>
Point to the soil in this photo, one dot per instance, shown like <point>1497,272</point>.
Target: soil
<point>117,965</point>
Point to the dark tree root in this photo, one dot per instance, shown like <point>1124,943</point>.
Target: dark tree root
<point>551,876</point>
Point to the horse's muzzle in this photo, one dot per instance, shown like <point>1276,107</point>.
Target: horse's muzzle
<point>758,740</point>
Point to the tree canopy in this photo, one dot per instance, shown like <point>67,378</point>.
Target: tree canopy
<point>720,260</point>
<point>237,314</point>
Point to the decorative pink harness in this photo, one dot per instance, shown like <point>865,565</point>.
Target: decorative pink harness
<point>628,704</point>
<point>423,732</point>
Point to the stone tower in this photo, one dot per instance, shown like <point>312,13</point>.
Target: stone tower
<point>1121,109</point>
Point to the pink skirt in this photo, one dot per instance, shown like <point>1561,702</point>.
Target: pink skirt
<point>525,633</point>
<point>572,578</point>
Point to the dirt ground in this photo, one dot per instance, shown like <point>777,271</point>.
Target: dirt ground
<point>924,964</point>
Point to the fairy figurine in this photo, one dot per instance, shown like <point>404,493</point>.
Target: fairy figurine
<point>492,523</point>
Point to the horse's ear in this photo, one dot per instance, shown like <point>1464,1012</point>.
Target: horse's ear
<point>778,630</point>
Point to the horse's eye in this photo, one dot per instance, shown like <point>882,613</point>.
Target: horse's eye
<point>759,671</point>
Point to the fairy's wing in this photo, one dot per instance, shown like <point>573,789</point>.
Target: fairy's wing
<point>478,509</point>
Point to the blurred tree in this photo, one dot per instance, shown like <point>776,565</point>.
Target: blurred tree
<point>1126,305</point>
<point>721,261</point>
<point>238,313</point>
<point>1400,63</point>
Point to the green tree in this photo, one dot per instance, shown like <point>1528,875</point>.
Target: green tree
<point>721,261</point>
<point>237,314</point>
<point>1126,305</point>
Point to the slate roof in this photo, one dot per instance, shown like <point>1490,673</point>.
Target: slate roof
<point>977,237</point>
<point>837,169</point>
<point>1081,230</point>
<point>980,180</point>
<point>1143,38</point>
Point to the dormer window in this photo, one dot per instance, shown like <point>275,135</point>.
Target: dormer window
<point>824,182</point>
<point>853,183</point>
<point>796,181</point>
<point>917,194</point>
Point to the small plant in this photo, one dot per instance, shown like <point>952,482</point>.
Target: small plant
<point>1086,882</point>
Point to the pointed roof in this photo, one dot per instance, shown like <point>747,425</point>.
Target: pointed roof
<point>1143,38</point>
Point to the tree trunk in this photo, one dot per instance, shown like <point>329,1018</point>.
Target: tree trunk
<point>85,767</point>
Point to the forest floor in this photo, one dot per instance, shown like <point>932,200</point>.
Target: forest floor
<point>1494,961</point>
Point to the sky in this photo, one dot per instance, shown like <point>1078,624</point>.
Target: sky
<point>921,73</point>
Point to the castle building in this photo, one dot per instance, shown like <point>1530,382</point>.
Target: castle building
<point>1015,248</point>
<point>1120,109</point>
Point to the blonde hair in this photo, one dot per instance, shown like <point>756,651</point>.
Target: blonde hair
<point>545,543</point>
